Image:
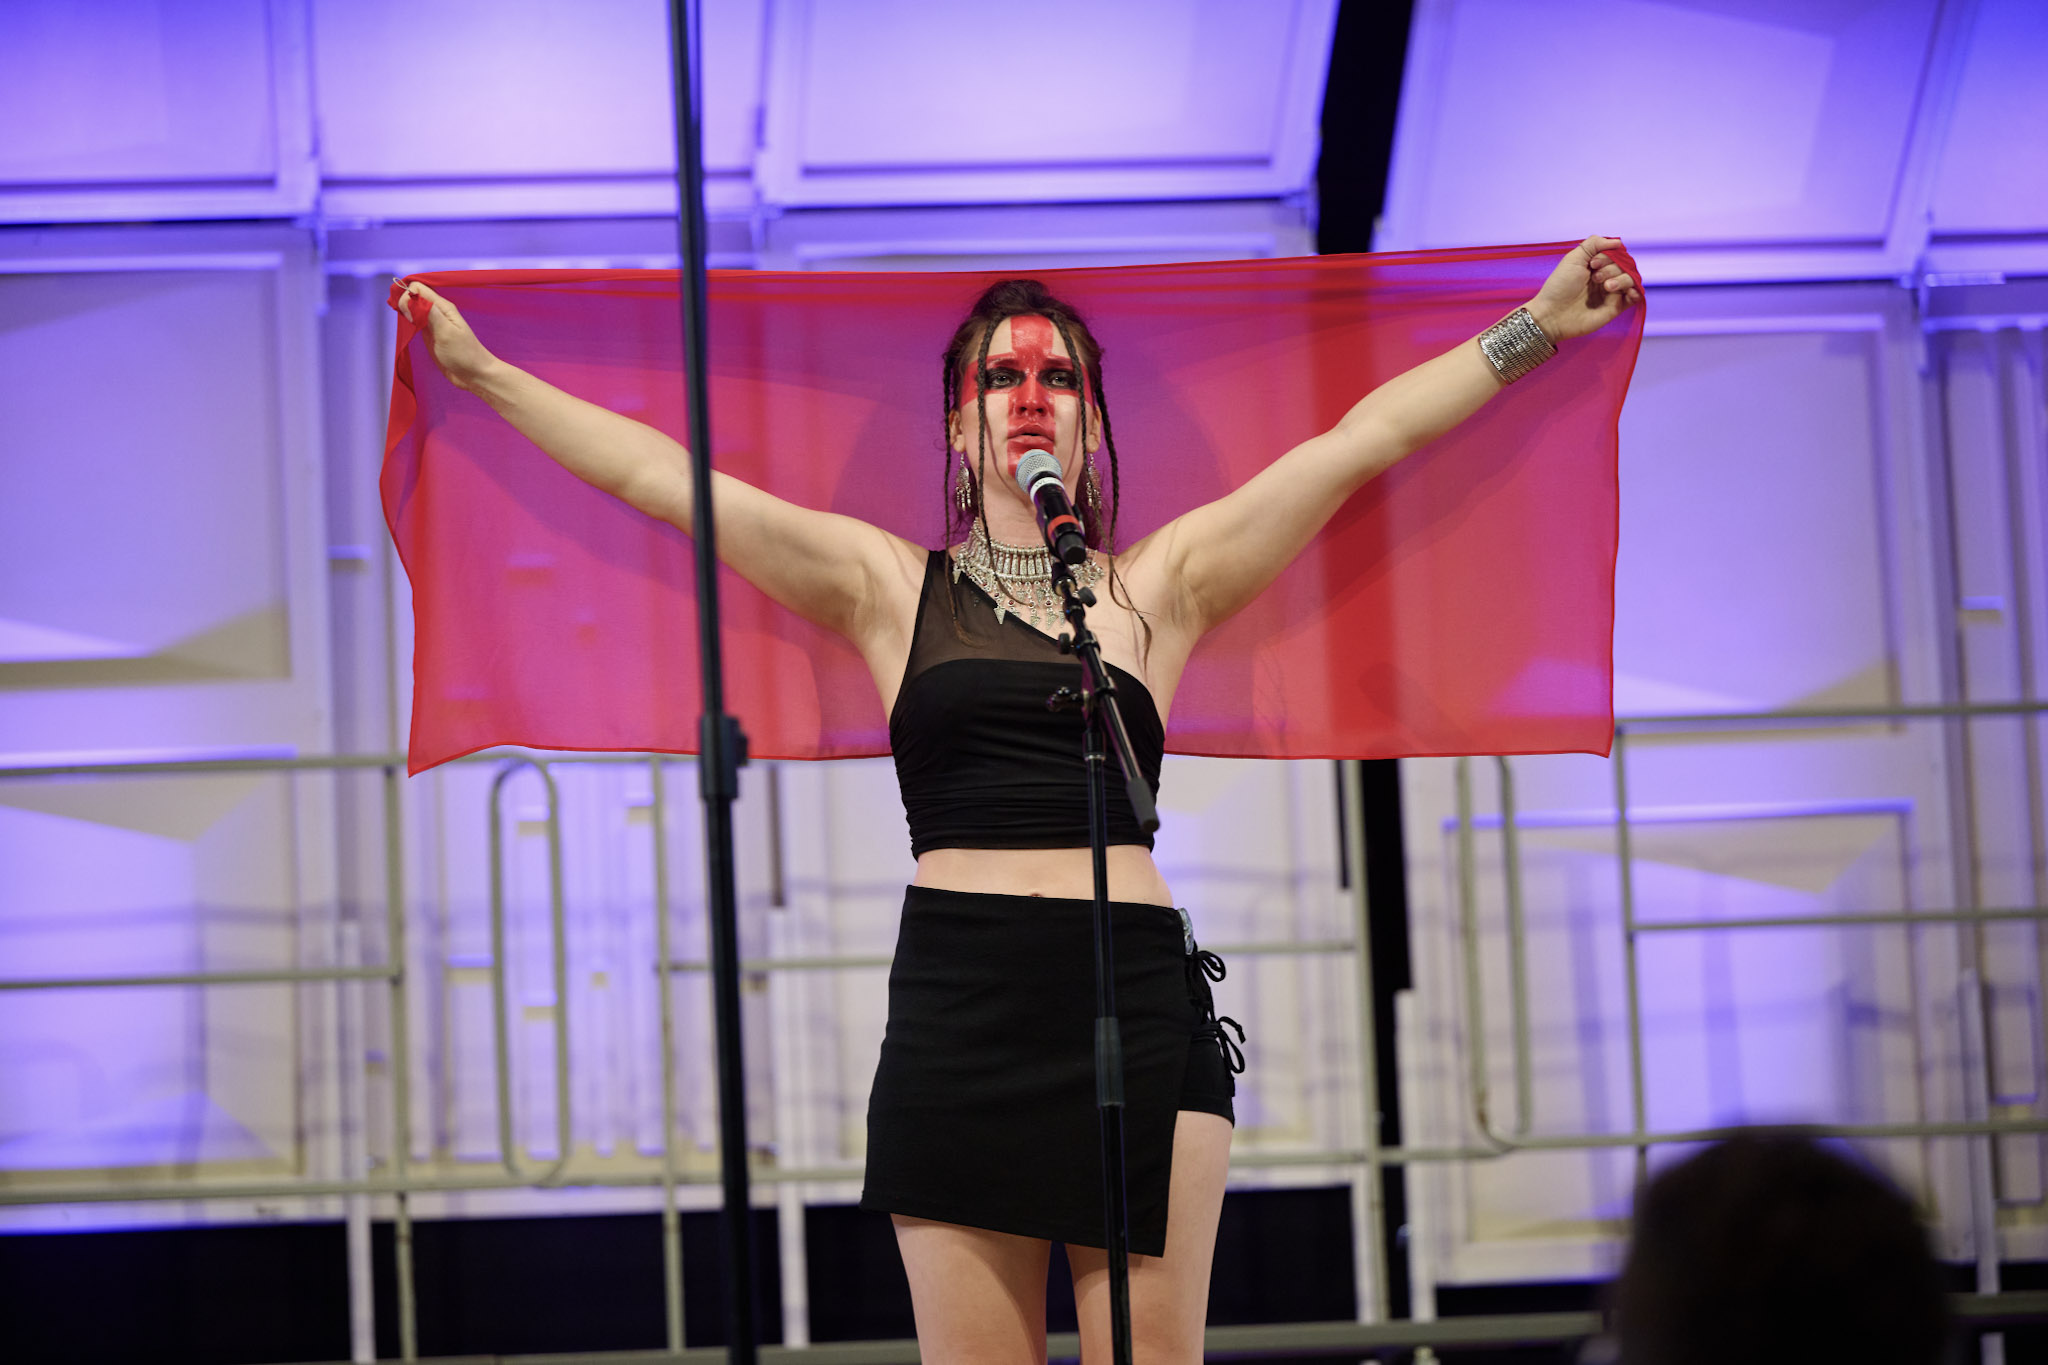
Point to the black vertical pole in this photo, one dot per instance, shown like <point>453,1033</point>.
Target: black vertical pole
<point>1109,1043</point>
<point>1360,100</point>
<point>722,748</point>
<point>1102,726</point>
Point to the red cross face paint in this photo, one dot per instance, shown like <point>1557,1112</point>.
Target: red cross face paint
<point>1030,383</point>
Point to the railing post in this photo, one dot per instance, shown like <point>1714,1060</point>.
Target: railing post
<point>1977,1109</point>
<point>558,943</point>
<point>1372,1271</point>
<point>1468,940</point>
<point>355,1156</point>
<point>399,1065</point>
<point>1518,952</point>
<point>1625,855</point>
<point>671,1228</point>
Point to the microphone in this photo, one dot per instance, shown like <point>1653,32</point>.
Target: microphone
<point>1038,474</point>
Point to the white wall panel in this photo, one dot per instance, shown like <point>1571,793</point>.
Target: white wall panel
<point>1994,168</point>
<point>470,109</point>
<point>166,92</point>
<point>163,584</point>
<point>1728,140</point>
<point>124,559</point>
<point>1034,237</point>
<point>895,101</point>
<point>163,489</point>
<point>1752,122</point>
<point>127,109</point>
<point>1700,531</point>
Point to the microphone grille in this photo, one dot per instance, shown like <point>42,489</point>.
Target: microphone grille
<point>1036,465</point>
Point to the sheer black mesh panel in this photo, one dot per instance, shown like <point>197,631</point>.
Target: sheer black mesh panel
<point>981,760</point>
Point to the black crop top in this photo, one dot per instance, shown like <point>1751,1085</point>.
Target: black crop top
<point>982,763</point>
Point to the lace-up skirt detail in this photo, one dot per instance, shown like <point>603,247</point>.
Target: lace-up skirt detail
<point>983,1108</point>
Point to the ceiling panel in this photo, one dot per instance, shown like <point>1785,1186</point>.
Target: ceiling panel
<point>901,101</point>
<point>1994,166</point>
<point>128,109</point>
<point>128,90</point>
<point>1730,139</point>
<point>1711,121</point>
<point>513,108</point>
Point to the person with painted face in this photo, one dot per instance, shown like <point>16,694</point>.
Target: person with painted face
<point>982,1128</point>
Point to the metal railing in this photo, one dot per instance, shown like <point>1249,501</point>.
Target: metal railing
<point>1633,927</point>
<point>1370,1159</point>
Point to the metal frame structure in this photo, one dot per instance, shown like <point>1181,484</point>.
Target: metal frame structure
<point>1989,1307</point>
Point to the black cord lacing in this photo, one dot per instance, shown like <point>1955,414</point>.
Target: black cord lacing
<point>1204,967</point>
<point>1233,1055</point>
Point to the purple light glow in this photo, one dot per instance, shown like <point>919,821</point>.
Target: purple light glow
<point>1791,537</point>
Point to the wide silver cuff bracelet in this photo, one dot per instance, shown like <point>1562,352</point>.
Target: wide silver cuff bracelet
<point>1515,345</point>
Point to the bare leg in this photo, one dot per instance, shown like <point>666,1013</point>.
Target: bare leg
<point>1170,1293</point>
<point>979,1295</point>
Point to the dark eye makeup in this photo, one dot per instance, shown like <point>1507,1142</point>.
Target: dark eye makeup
<point>1003,377</point>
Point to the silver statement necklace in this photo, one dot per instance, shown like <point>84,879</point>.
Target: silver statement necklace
<point>1019,578</point>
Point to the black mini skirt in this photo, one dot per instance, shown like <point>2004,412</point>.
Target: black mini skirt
<point>983,1109</point>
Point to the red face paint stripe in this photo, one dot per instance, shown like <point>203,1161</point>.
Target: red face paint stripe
<point>1033,411</point>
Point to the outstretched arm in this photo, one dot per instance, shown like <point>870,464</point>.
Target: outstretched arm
<point>1213,560</point>
<point>827,568</point>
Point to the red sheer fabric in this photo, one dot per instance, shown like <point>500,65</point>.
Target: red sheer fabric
<point>1462,603</point>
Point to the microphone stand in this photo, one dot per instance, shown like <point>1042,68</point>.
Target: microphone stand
<point>722,745</point>
<point>1102,726</point>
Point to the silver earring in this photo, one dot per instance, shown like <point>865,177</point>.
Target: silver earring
<point>963,489</point>
<point>1093,493</point>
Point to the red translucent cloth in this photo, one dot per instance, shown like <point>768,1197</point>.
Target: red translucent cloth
<point>1462,603</point>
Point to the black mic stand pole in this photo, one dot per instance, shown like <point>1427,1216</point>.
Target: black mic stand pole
<point>1100,720</point>
<point>721,745</point>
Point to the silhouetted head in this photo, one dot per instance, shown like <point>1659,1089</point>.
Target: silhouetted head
<point>1770,1248</point>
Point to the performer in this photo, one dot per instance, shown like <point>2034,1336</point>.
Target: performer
<point>982,1129</point>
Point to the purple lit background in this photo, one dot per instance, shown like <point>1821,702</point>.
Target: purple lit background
<point>1835,489</point>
